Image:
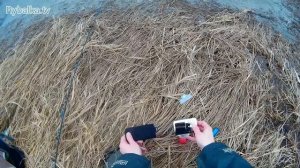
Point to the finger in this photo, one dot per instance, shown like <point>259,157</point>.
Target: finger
<point>130,138</point>
<point>201,123</point>
<point>196,131</point>
<point>201,128</point>
<point>141,143</point>
<point>144,150</point>
<point>204,125</point>
<point>191,138</point>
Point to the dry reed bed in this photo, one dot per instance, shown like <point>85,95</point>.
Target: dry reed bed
<point>134,69</point>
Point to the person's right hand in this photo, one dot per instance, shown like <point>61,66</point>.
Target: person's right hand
<point>203,134</point>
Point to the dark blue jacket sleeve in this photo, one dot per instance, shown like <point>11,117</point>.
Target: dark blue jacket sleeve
<point>218,155</point>
<point>131,160</point>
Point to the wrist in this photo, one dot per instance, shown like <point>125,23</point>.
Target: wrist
<point>132,152</point>
<point>137,152</point>
<point>203,145</point>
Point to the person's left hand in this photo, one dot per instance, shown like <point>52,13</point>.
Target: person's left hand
<point>130,145</point>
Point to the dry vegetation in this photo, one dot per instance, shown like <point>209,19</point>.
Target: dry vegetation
<point>135,67</point>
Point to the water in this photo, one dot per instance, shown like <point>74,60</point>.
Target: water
<point>271,12</point>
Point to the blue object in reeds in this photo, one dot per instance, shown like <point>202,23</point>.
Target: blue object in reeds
<point>215,131</point>
<point>185,98</point>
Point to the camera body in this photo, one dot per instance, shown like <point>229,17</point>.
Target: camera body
<point>183,127</point>
<point>142,132</point>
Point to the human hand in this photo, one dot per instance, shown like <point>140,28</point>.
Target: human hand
<point>203,134</point>
<point>129,145</point>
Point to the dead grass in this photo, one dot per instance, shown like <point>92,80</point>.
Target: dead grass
<point>133,72</point>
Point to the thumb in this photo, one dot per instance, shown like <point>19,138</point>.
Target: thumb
<point>123,140</point>
<point>130,138</point>
<point>191,138</point>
